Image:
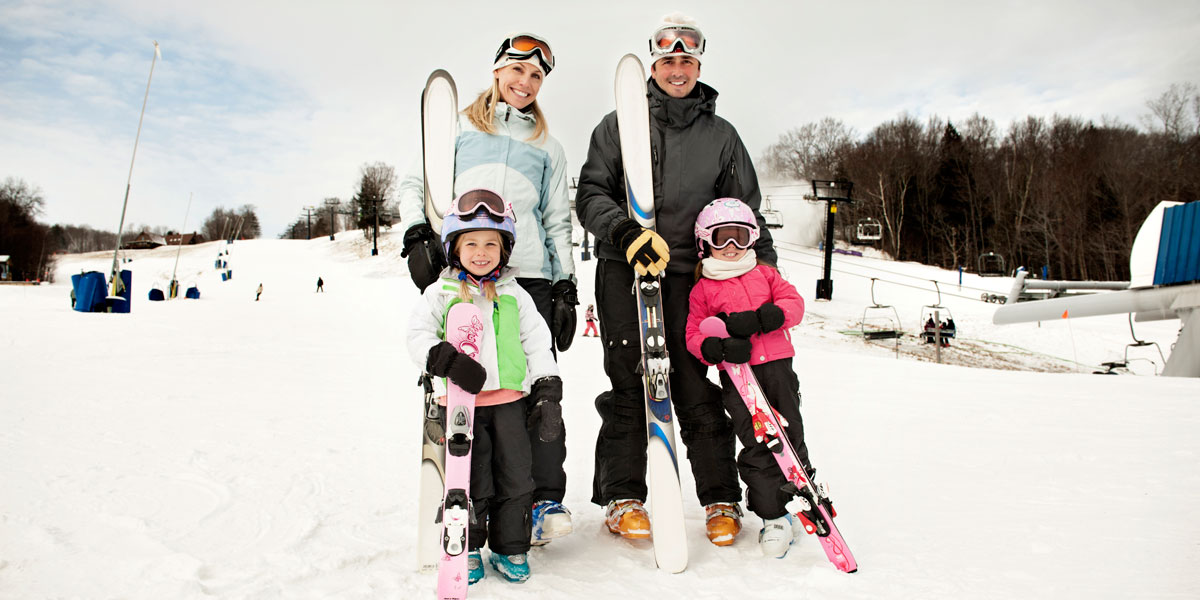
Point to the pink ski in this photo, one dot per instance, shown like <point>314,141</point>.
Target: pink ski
<point>768,429</point>
<point>464,331</point>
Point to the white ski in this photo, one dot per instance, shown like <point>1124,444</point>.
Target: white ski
<point>662,480</point>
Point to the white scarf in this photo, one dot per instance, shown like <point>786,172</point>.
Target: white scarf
<point>715,268</point>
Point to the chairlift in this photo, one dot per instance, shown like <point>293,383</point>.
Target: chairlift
<point>1122,366</point>
<point>937,319</point>
<point>880,322</point>
<point>868,230</point>
<point>773,218</point>
<point>991,265</point>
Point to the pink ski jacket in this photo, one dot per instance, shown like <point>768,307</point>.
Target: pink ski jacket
<point>758,286</point>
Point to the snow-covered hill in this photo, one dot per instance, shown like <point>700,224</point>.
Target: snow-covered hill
<point>227,448</point>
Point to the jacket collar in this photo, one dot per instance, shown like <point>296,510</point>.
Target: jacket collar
<point>678,113</point>
<point>505,112</point>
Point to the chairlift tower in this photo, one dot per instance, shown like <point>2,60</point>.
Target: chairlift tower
<point>831,192</point>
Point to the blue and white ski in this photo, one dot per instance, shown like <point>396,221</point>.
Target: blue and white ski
<point>662,480</point>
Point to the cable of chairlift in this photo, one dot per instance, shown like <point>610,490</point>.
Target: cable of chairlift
<point>804,249</point>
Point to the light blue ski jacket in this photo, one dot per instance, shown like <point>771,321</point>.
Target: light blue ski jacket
<point>531,174</point>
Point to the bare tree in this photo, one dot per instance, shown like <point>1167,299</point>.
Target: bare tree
<point>811,151</point>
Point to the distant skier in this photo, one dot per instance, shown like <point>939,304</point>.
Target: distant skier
<point>478,237</point>
<point>590,317</point>
<point>760,306</point>
<point>258,293</point>
<point>320,284</point>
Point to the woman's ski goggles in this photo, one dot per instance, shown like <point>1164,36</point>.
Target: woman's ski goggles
<point>524,46</point>
<point>738,235</point>
<point>677,39</point>
<point>467,205</point>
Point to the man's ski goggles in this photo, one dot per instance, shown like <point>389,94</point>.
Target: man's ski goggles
<point>470,203</point>
<point>738,235</point>
<point>677,38</point>
<point>524,46</point>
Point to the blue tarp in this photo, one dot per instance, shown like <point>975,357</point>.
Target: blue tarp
<point>124,303</point>
<point>89,291</point>
<point>156,294</point>
<point>193,293</point>
<point>1179,245</point>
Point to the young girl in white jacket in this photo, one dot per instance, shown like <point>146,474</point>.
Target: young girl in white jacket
<point>514,361</point>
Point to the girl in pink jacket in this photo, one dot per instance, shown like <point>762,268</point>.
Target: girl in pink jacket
<point>758,306</point>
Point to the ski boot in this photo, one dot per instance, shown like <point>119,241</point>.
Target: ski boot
<point>776,536</point>
<point>723,520</point>
<point>550,520</point>
<point>628,519</point>
<point>474,567</point>
<point>512,567</point>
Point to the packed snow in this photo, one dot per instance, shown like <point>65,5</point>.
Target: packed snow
<point>232,448</point>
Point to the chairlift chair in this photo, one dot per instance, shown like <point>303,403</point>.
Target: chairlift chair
<point>771,217</point>
<point>868,230</point>
<point>944,319</point>
<point>880,322</point>
<point>991,265</point>
<point>1122,366</point>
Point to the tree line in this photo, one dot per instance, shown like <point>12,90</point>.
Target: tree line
<point>1062,192</point>
<point>32,245</point>
<point>371,204</point>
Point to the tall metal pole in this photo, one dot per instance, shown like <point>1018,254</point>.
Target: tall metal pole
<point>825,284</point>
<point>174,283</point>
<point>118,286</point>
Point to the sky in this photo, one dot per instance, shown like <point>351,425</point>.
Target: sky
<point>279,104</point>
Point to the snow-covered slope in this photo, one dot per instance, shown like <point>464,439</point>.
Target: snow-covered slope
<point>227,448</point>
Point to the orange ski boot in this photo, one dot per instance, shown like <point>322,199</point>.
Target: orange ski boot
<point>723,520</point>
<point>628,519</point>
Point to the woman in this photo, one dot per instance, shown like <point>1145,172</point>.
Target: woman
<point>505,145</point>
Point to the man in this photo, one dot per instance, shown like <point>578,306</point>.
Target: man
<point>697,158</point>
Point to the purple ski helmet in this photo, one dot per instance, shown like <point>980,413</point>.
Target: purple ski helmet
<point>725,211</point>
<point>476,210</point>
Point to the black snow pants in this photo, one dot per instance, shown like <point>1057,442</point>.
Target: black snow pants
<point>549,478</point>
<point>755,462</point>
<point>704,427</point>
<point>500,484</point>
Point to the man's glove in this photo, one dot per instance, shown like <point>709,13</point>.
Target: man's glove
<point>646,251</point>
<point>425,257</point>
<point>768,317</point>
<point>462,370</point>
<point>564,299</point>
<point>545,413</point>
<point>717,350</point>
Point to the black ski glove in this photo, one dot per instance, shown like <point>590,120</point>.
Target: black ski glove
<point>770,317</point>
<point>425,257</point>
<point>742,324</point>
<point>716,350</point>
<point>460,369</point>
<point>746,323</point>
<point>564,299</point>
<point>545,412</point>
<point>646,251</point>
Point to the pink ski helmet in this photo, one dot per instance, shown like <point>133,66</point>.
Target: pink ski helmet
<point>725,211</point>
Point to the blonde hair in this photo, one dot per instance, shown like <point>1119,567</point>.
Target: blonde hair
<point>488,288</point>
<point>482,112</point>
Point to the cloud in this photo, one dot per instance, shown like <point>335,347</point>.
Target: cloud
<point>278,104</point>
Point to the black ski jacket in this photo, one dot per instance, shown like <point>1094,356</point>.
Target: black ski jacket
<point>696,156</point>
